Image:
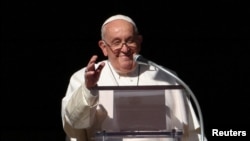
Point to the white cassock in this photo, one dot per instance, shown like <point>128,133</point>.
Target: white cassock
<point>86,111</point>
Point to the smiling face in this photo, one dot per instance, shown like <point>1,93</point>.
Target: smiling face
<point>119,44</point>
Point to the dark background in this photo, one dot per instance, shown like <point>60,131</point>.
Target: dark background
<point>44,42</point>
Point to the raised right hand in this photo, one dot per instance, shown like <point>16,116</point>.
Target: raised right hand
<point>92,74</point>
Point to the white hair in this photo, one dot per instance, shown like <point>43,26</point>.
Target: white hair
<point>118,17</point>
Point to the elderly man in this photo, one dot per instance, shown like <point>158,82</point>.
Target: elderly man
<point>82,113</point>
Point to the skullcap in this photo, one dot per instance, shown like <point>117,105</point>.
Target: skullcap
<point>120,17</point>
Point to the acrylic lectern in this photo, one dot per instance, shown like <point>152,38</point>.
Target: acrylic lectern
<point>134,112</point>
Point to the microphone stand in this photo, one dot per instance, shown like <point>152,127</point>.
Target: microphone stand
<point>188,90</point>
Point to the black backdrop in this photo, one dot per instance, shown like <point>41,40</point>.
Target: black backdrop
<point>44,42</point>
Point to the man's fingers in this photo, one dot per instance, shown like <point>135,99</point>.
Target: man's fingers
<point>90,68</point>
<point>92,59</point>
<point>100,67</point>
<point>91,73</point>
<point>91,64</point>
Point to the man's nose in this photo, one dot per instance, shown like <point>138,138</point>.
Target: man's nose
<point>125,47</point>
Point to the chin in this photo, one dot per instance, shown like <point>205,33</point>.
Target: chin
<point>127,67</point>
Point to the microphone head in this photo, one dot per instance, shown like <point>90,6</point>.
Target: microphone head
<point>140,60</point>
<point>135,57</point>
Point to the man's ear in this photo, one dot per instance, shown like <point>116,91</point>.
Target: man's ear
<point>103,47</point>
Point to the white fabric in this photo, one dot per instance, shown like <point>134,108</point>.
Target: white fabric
<point>81,111</point>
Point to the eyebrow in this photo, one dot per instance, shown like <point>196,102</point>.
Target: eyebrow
<point>117,38</point>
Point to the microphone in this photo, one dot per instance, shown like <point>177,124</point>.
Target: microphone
<point>141,60</point>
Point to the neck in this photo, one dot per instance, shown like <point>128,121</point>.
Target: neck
<point>131,75</point>
<point>125,73</point>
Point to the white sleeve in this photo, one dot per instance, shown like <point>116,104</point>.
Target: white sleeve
<point>79,104</point>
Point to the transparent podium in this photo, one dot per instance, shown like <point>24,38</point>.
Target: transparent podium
<point>140,112</point>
